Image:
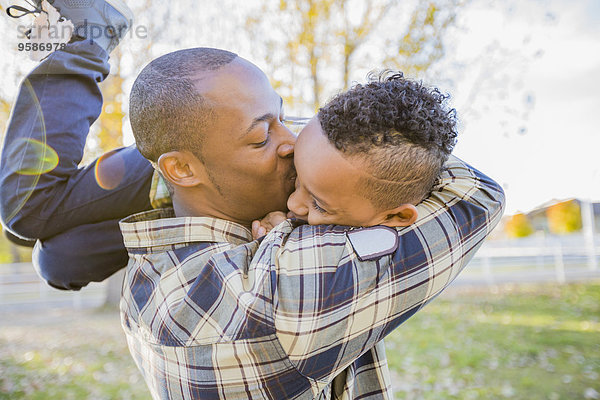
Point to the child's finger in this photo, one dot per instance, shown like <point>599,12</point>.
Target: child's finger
<point>255,229</point>
<point>262,231</point>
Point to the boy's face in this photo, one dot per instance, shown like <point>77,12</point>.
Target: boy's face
<point>326,183</point>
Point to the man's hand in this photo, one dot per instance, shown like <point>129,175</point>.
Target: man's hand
<point>261,227</point>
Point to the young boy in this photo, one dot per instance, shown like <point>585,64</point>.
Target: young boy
<point>369,156</point>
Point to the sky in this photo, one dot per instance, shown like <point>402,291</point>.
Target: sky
<point>525,80</point>
<point>547,145</point>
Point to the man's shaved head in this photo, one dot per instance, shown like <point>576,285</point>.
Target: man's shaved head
<point>167,111</point>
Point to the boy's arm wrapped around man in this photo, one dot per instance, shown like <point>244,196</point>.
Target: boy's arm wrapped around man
<point>330,307</point>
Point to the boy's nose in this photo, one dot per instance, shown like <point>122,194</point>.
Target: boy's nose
<point>297,206</point>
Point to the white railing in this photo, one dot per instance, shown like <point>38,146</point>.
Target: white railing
<point>538,259</point>
<point>535,259</point>
<point>21,287</point>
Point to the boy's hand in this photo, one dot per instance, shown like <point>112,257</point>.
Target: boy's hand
<point>261,227</point>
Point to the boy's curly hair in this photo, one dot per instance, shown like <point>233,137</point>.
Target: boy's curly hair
<point>401,130</point>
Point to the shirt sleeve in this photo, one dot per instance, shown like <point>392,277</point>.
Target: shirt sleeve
<point>330,307</point>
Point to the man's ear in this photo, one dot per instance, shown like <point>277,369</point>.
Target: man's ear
<point>403,215</point>
<point>181,168</point>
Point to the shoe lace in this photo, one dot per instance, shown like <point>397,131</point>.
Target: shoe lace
<point>22,11</point>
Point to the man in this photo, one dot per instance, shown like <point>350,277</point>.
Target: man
<point>57,103</point>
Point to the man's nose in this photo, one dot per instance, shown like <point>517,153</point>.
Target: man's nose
<point>285,150</point>
<point>287,142</point>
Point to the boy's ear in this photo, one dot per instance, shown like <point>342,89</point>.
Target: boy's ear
<point>181,168</point>
<point>403,215</point>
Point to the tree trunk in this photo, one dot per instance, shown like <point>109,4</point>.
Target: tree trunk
<point>314,74</point>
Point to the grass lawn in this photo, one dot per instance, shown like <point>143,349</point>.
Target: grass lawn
<point>520,342</point>
<point>66,355</point>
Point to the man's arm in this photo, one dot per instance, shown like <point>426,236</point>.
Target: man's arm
<point>330,307</point>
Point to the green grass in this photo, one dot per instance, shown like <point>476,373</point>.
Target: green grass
<point>522,342</point>
<point>519,342</point>
<point>67,355</point>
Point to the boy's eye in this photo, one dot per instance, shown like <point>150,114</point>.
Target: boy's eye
<point>318,208</point>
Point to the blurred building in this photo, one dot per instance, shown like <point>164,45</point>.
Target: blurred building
<point>554,217</point>
<point>539,217</point>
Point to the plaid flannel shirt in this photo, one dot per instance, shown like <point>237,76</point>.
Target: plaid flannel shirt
<point>210,313</point>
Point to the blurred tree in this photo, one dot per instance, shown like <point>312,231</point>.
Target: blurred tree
<point>564,217</point>
<point>422,44</point>
<point>111,120</point>
<point>353,32</point>
<point>518,226</point>
<point>294,42</point>
<point>324,41</point>
<point>4,113</point>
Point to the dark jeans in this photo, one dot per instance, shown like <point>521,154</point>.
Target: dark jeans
<point>74,218</point>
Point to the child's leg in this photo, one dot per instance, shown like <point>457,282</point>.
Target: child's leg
<point>84,254</point>
<point>57,103</point>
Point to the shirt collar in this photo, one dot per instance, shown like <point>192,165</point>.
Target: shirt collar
<point>161,228</point>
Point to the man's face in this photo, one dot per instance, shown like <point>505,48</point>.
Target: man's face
<point>326,183</point>
<point>248,152</point>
